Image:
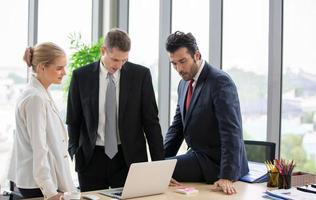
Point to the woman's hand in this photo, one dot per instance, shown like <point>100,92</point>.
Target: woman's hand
<point>58,196</point>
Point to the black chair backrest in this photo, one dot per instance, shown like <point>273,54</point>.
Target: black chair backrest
<point>14,192</point>
<point>260,151</point>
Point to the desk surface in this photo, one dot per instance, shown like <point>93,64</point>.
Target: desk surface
<point>245,191</point>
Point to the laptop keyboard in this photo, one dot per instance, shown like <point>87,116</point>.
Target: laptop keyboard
<point>117,193</point>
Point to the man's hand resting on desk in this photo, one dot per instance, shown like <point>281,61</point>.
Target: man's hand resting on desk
<point>224,185</point>
<point>174,183</point>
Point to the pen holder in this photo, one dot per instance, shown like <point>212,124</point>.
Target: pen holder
<point>273,179</point>
<point>284,181</point>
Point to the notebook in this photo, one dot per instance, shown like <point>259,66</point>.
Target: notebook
<point>143,179</point>
<point>257,173</point>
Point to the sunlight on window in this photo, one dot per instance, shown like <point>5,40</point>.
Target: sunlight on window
<point>145,36</point>
<point>299,84</point>
<point>184,18</point>
<point>13,72</point>
<point>77,21</point>
<point>245,59</point>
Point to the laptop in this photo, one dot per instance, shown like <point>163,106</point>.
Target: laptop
<point>144,179</point>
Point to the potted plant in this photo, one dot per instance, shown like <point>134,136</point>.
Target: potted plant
<point>83,55</point>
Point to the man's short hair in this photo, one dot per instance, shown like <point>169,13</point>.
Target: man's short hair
<point>117,38</point>
<point>180,39</point>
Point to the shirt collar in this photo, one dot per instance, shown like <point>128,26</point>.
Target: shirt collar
<point>196,77</point>
<point>34,82</point>
<point>105,71</point>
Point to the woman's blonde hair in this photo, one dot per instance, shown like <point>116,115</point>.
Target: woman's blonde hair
<point>44,53</point>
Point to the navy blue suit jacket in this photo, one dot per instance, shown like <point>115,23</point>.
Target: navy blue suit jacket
<point>212,127</point>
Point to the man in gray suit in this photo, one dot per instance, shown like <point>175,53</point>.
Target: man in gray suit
<point>207,117</point>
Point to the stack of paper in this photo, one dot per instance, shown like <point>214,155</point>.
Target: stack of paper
<point>290,194</point>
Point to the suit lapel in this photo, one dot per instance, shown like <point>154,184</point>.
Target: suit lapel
<point>94,87</point>
<point>196,93</point>
<point>125,84</point>
<point>182,100</point>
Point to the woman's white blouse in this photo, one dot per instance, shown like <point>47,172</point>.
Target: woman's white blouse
<point>40,157</point>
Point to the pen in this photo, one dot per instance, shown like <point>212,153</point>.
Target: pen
<point>303,189</point>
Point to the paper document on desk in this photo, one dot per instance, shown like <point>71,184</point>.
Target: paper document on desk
<point>257,173</point>
<point>290,194</point>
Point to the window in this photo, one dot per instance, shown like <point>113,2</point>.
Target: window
<point>57,19</point>
<point>13,71</point>
<point>245,59</point>
<point>185,14</point>
<point>144,33</point>
<point>77,21</point>
<point>299,84</point>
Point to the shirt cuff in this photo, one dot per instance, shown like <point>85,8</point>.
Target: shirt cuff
<point>48,189</point>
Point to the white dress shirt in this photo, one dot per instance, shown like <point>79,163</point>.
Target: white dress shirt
<point>197,75</point>
<point>40,157</point>
<point>103,83</point>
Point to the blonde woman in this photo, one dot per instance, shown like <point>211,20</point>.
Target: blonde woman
<point>39,165</point>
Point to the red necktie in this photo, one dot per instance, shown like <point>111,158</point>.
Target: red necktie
<point>189,95</point>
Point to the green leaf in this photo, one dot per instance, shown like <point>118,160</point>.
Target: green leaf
<point>83,54</point>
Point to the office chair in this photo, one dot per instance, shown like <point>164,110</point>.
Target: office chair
<point>13,193</point>
<point>259,151</point>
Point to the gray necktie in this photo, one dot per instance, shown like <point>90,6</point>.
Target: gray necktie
<point>110,139</point>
